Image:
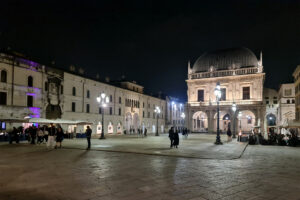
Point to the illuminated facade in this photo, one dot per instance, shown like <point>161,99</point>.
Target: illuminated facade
<point>29,89</point>
<point>241,78</point>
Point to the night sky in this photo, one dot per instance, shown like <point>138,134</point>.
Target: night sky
<point>151,41</point>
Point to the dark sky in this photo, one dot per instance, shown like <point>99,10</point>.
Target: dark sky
<point>152,41</point>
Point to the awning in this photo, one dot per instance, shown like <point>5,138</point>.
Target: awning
<point>14,120</point>
<point>57,121</point>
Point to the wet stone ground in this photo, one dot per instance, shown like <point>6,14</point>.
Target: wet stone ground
<point>260,172</point>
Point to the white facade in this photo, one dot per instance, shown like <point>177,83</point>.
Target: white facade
<point>241,79</point>
<point>28,89</point>
<point>286,107</point>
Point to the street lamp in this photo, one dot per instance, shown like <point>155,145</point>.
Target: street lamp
<point>102,100</point>
<point>157,111</point>
<point>218,96</point>
<point>233,109</point>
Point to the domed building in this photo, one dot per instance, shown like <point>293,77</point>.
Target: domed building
<point>240,75</point>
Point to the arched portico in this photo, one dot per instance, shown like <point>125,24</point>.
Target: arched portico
<point>200,122</point>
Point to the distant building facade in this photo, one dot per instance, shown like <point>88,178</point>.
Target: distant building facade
<point>296,76</point>
<point>286,107</point>
<point>29,89</point>
<point>241,78</point>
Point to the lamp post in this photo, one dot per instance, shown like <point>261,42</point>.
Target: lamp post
<point>102,100</point>
<point>233,109</point>
<point>157,111</point>
<point>218,96</point>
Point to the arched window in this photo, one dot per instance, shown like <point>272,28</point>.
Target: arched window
<point>74,91</point>
<point>3,76</point>
<point>30,81</point>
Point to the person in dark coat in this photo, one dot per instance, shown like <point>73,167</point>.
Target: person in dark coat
<point>171,136</point>
<point>229,134</point>
<point>176,139</point>
<point>33,134</point>
<point>59,137</point>
<point>13,135</point>
<point>88,134</point>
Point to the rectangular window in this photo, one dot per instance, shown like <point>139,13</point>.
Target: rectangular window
<point>143,113</point>
<point>110,98</point>
<point>3,98</point>
<point>288,92</point>
<point>120,100</point>
<point>120,111</point>
<point>88,108</point>
<point>249,120</point>
<point>148,114</point>
<point>100,110</point>
<point>46,86</point>
<point>143,105</point>
<point>200,95</point>
<point>246,93</point>
<point>110,110</point>
<point>223,94</point>
<point>29,101</point>
<point>275,101</point>
<point>73,107</point>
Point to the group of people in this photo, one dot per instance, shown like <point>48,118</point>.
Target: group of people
<point>37,135</point>
<point>174,137</point>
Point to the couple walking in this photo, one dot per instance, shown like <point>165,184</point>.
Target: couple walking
<point>174,137</point>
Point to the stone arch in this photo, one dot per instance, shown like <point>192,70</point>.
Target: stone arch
<point>246,121</point>
<point>128,122</point>
<point>135,122</point>
<point>225,120</point>
<point>271,119</point>
<point>200,122</point>
<point>119,128</point>
<point>110,127</point>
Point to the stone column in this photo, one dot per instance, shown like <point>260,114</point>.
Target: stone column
<point>210,121</point>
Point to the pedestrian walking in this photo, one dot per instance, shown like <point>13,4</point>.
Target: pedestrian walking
<point>13,135</point>
<point>171,136</point>
<point>59,137</point>
<point>51,135</point>
<point>40,135</point>
<point>145,132</point>
<point>176,139</point>
<point>88,134</point>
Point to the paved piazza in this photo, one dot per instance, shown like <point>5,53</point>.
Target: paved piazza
<point>126,167</point>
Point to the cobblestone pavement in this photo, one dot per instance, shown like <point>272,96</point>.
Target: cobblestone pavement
<point>35,173</point>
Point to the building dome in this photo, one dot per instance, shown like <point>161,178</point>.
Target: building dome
<point>225,59</point>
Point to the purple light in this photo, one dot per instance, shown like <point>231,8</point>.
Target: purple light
<point>30,94</point>
<point>35,110</point>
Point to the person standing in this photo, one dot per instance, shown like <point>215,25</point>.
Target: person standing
<point>13,135</point>
<point>229,134</point>
<point>46,133</point>
<point>171,136</point>
<point>176,139</point>
<point>51,134</point>
<point>40,135</point>
<point>88,134</point>
<point>33,134</point>
<point>59,137</point>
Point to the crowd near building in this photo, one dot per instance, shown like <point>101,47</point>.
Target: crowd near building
<point>31,90</point>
